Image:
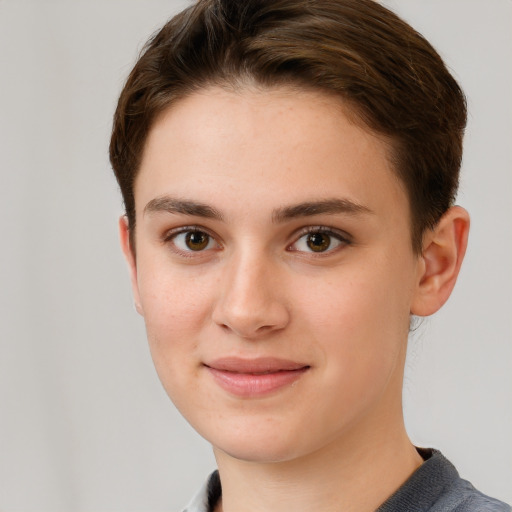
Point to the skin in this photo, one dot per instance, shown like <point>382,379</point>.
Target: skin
<point>334,439</point>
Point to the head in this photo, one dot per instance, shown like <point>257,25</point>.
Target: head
<point>288,170</point>
<point>387,75</point>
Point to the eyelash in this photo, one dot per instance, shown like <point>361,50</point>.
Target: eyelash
<point>343,238</point>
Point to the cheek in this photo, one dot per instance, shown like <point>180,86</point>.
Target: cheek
<point>176,306</point>
<point>361,322</point>
<point>172,298</point>
<point>363,305</point>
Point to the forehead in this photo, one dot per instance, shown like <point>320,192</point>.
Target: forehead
<point>263,147</point>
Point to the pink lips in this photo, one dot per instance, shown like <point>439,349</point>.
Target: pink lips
<point>254,377</point>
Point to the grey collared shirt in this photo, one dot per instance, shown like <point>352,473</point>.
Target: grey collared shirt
<point>434,487</point>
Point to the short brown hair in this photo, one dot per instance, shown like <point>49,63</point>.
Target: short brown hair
<point>391,78</point>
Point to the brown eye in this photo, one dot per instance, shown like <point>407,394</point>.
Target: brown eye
<point>318,242</point>
<point>192,240</point>
<point>196,240</point>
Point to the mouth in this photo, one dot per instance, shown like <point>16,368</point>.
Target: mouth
<point>248,378</point>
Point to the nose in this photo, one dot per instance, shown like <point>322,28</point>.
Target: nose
<point>251,302</point>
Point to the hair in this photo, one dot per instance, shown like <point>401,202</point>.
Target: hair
<point>392,80</point>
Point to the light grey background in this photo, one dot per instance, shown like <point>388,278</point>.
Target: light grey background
<point>84,423</point>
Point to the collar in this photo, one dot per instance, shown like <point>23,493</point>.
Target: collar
<point>417,494</point>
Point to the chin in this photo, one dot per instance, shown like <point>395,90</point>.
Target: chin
<point>253,444</point>
<point>260,453</point>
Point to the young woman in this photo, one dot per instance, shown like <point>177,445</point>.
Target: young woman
<point>288,170</point>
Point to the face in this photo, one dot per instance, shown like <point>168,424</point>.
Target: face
<point>274,270</point>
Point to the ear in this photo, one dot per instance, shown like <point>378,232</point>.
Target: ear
<point>129,254</point>
<point>443,251</point>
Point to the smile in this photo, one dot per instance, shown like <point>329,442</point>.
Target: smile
<point>255,377</point>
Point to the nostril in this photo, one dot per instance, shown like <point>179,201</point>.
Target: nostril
<point>263,328</point>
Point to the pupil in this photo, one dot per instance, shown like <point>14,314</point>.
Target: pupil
<point>318,242</point>
<point>196,240</point>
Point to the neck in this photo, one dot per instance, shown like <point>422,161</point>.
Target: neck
<point>344,475</point>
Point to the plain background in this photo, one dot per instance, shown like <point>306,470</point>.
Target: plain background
<point>84,422</point>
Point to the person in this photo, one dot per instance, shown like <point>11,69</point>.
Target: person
<point>289,171</point>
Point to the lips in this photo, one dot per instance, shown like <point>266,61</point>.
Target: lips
<point>255,377</point>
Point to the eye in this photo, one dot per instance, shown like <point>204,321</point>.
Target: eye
<point>319,241</point>
<point>192,240</point>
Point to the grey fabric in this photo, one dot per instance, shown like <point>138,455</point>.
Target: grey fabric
<point>434,487</point>
<point>437,487</point>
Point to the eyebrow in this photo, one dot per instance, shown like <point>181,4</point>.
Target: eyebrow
<point>306,209</point>
<point>184,207</point>
<point>311,208</point>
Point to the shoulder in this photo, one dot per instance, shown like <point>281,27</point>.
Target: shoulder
<point>437,487</point>
<point>463,497</point>
<point>457,494</point>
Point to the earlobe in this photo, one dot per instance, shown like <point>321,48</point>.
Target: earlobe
<point>443,251</point>
<point>129,255</point>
